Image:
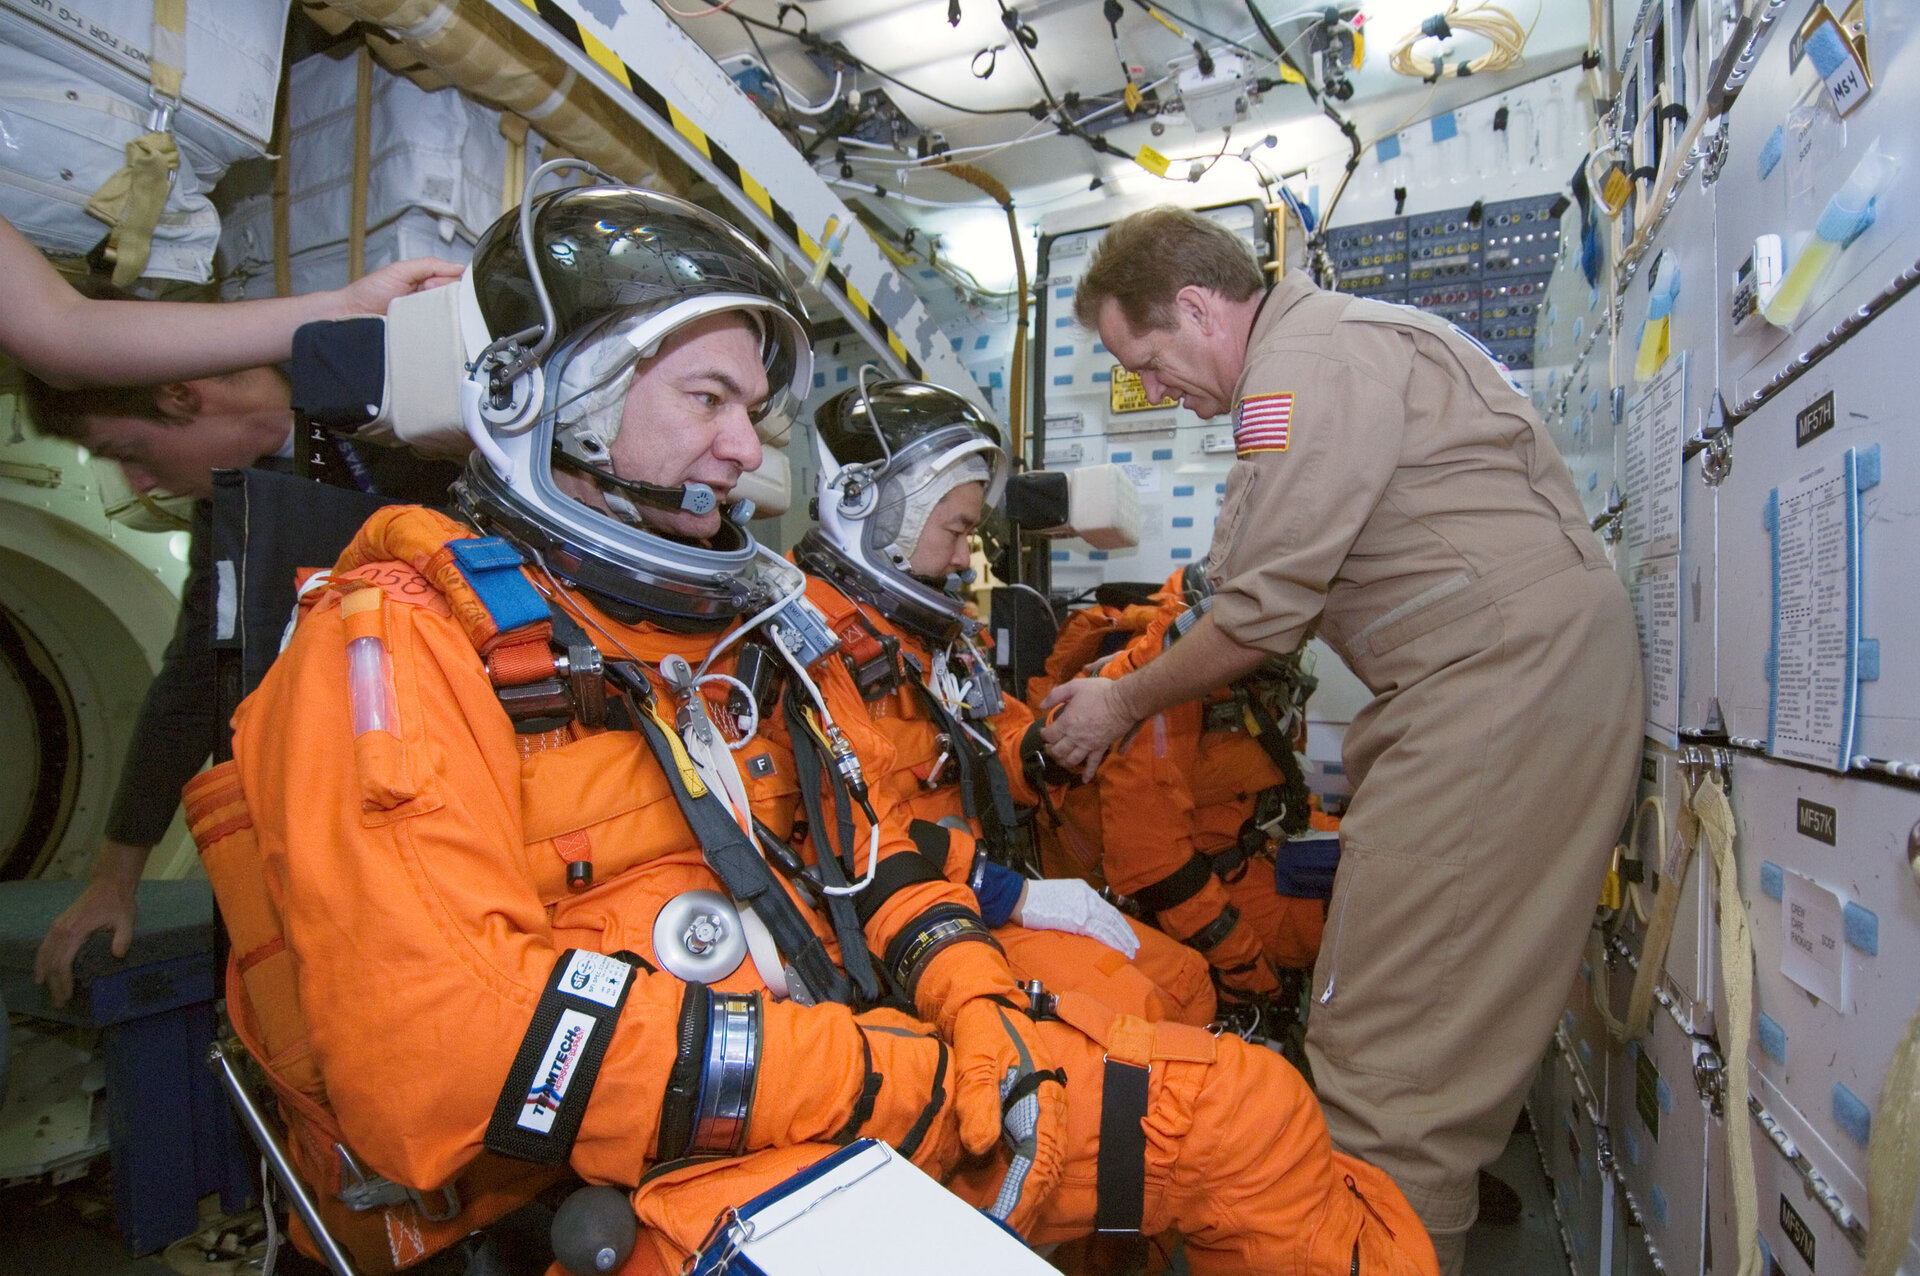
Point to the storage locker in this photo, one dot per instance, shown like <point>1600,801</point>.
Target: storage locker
<point>1689,983</point>
<point>1858,401</point>
<point>1836,850</point>
<point>1662,1134</point>
<point>1794,165</point>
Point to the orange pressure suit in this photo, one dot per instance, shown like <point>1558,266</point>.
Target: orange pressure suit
<point>1174,801</point>
<point>1163,980</point>
<point>417,910</point>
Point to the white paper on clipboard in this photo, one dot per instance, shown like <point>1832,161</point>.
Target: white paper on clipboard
<point>875,1214</point>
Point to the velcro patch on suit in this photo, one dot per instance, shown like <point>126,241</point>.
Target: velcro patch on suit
<point>540,1108</point>
<point>1262,423</point>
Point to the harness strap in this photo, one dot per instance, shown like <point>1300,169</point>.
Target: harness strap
<point>734,860</point>
<point>896,873</point>
<point>809,765</point>
<point>985,793</point>
<point>1177,887</point>
<point>1120,1183</point>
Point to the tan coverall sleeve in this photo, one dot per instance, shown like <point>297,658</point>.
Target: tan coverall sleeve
<point>1289,518</point>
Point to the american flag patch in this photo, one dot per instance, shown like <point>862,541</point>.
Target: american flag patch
<point>1261,423</point>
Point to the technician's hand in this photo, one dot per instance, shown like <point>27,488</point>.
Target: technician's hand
<point>1089,720</point>
<point>107,903</point>
<point>1072,906</point>
<point>372,293</point>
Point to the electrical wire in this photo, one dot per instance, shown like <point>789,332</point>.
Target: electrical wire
<point>822,47</point>
<point>752,726</point>
<point>778,606</point>
<point>1488,21</point>
<point>697,14</point>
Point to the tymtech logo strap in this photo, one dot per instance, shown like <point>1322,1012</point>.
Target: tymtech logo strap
<point>1262,423</point>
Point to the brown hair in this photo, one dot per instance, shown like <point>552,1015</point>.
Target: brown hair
<point>1145,259</point>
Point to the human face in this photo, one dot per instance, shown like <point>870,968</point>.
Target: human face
<point>174,457</point>
<point>688,417</point>
<point>943,545</point>
<point>1172,363</point>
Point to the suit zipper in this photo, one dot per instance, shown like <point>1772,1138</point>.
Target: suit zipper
<point>1352,1187</point>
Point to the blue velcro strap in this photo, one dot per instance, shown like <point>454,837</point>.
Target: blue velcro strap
<point>997,890</point>
<point>492,567</point>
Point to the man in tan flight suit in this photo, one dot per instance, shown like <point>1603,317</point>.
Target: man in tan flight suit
<point>1395,490</point>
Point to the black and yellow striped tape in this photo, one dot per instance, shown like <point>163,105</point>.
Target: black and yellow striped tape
<point>728,167</point>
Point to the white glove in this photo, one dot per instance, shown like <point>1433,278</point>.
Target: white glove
<point>1071,905</point>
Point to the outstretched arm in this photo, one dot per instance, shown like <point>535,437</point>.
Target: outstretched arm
<point>1095,711</point>
<point>70,340</point>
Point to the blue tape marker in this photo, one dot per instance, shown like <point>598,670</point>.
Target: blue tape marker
<point>820,378</point>
<point>1773,880</point>
<point>1096,555</point>
<point>1063,352</point>
<point>1658,1199</point>
<point>1163,454</point>
<point>1183,491</point>
<point>1064,321</point>
<point>980,342</point>
<point>1387,149</point>
<point>1060,555</point>
<point>1061,294</point>
<point>1663,1093</point>
<point>1862,928</point>
<point>1866,660</point>
<point>994,379</point>
<point>1773,1038</point>
<point>1445,127</point>
<point>1181,553</point>
<point>1851,1115</point>
<point>840,373</point>
<point>1183,521</point>
<point>1219,489</point>
<point>1771,151</point>
<point>1101,377</point>
<point>1633,1146</point>
<point>957,343</point>
<point>1066,379</point>
<point>1120,458</point>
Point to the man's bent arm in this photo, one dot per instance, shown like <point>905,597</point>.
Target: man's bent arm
<point>1204,659</point>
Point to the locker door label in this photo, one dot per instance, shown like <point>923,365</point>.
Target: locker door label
<point>1797,1231</point>
<point>1646,1093</point>
<point>1813,420</point>
<point>1817,822</point>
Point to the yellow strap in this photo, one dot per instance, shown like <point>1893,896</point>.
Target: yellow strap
<point>1707,814</point>
<point>1893,1158</point>
<point>1653,952</point>
<point>130,201</point>
<point>682,761</point>
<point>513,180</point>
<point>168,66</point>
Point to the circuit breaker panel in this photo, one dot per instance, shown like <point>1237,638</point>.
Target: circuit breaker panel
<point>1483,268</point>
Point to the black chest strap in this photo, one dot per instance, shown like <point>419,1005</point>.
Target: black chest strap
<point>733,858</point>
<point>810,764</point>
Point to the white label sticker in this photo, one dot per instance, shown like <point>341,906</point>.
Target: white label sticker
<point>1813,939</point>
<point>595,977</point>
<point>1144,477</point>
<point>555,1073</point>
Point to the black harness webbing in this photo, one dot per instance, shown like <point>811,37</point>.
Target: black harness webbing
<point>985,794</point>
<point>1279,751</point>
<point>733,859</point>
<point>810,765</point>
<point>1177,887</point>
<point>1120,1183</point>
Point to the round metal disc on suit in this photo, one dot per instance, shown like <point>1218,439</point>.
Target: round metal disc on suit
<point>698,937</point>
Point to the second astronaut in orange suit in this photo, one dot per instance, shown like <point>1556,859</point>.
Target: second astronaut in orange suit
<point>506,829</point>
<point>906,471</point>
<point>1191,814</point>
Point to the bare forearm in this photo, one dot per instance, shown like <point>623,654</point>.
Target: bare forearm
<point>118,863</point>
<point>89,342</point>
<point>1202,660</point>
